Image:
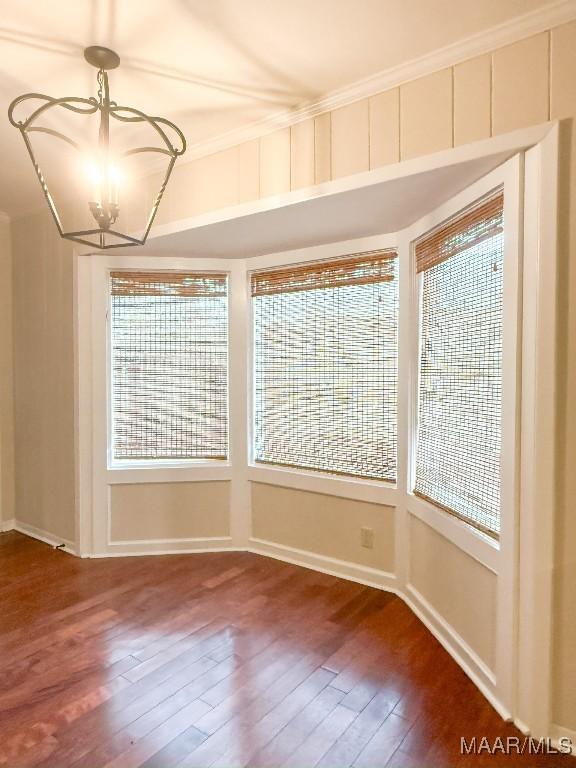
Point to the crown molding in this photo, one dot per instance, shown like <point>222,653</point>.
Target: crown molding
<point>509,32</point>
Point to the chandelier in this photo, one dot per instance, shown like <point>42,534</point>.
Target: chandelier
<point>102,190</point>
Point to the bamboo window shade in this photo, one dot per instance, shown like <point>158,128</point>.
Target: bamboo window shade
<point>169,353</point>
<point>480,222</point>
<point>460,375</point>
<point>325,365</point>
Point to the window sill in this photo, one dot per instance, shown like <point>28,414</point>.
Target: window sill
<point>168,472</point>
<point>166,463</point>
<point>359,489</point>
<point>478,545</point>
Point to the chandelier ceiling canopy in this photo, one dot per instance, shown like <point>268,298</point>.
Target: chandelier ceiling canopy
<point>103,167</point>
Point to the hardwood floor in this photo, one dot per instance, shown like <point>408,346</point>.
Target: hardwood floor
<point>222,659</point>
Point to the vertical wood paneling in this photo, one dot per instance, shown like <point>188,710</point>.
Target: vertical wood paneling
<point>249,171</point>
<point>6,377</point>
<point>426,115</point>
<point>302,154</point>
<point>472,100</point>
<point>275,163</point>
<point>385,128</point>
<point>350,139</point>
<point>323,148</point>
<point>203,185</point>
<point>520,92</point>
<point>44,374</point>
<point>216,184</point>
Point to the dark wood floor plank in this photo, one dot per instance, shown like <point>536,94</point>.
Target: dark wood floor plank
<point>322,738</point>
<point>383,744</point>
<point>241,753</point>
<point>225,659</point>
<point>351,743</point>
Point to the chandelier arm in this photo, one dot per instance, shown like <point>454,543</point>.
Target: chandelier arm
<point>57,134</point>
<point>67,102</point>
<point>159,196</point>
<point>139,116</point>
<point>147,149</point>
<point>42,180</point>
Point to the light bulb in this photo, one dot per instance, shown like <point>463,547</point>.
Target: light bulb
<point>105,182</point>
<point>94,175</point>
<point>114,181</point>
<point>114,175</point>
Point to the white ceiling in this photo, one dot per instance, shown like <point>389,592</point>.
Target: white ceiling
<point>213,66</point>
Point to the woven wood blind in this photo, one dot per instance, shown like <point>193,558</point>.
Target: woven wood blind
<point>169,350</point>
<point>480,222</point>
<point>460,384</point>
<point>325,365</point>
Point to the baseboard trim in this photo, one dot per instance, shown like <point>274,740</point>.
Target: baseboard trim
<point>521,725</point>
<point>466,658</point>
<point>48,538</point>
<point>344,569</point>
<point>145,547</point>
<point>7,525</point>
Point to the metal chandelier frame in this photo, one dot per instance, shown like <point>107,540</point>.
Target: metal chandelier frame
<point>103,59</point>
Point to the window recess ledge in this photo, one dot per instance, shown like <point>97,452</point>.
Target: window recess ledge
<point>476,544</point>
<point>161,472</point>
<point>359,489</point>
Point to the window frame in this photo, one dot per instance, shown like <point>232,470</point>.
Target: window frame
<point>151,464</point>
<point>509,296</point>
<point>94,411</point>
<point>316,481</point>
<point>294,466</point>
<point>498,555</point>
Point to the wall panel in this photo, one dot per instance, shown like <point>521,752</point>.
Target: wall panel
<point>169,511</point>
<point>458,587</point>
<point>275,163</point>
<point>426,115</point>
<point>473,100</point>
<point>323,148</point>
<point>249,171</point>
<point>350,139</point>
<point>520,90</point>
<point>6,376</point>
<point>326,525</point>
<point>302,156</point>
<point>44,376</point>
<point>385,128</point>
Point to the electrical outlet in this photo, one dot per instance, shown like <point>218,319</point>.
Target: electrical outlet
<point>367,537</point>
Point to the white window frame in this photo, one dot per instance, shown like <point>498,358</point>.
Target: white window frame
<point>94,279</point>
<point>152,464</point>
<point>499,556</point>
<point>316,481</point>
